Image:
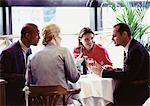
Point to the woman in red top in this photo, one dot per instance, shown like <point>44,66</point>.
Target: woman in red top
<point>89,49</point>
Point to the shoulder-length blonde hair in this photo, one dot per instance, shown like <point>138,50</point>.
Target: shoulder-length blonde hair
<point>48,32</point>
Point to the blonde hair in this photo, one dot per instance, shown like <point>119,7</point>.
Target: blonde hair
<point>49,31</point>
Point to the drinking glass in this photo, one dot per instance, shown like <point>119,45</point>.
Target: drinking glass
<point>90,63</point>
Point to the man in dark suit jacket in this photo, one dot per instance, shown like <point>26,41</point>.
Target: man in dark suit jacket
<point>13,64</point>
<point>132,80</point>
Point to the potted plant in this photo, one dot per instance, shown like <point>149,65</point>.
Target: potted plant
<point>132,16</point>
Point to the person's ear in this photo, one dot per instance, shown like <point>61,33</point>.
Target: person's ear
<point>53,37</point>
<point>124,33</point>
<point>27,36</point>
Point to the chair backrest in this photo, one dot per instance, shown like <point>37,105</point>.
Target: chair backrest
<point>46,95</point>
<point>49,95</point>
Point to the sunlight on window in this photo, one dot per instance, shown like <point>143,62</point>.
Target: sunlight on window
<point>71,20</point>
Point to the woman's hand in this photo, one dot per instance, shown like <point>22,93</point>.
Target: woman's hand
<point>79,59</point>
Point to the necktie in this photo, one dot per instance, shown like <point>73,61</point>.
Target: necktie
<point>124,56</point>
<point>124,64</point>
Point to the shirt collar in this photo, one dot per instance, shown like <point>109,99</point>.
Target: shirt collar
<point>24,48</point>
<point>127,46</point>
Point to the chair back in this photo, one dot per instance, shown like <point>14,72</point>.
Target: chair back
<point>46,95</point>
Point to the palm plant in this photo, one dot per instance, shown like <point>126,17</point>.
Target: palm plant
<point>132,16</point>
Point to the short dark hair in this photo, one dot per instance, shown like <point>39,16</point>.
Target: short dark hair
<point>123,27</point>
<point>27,28</point>
<point>82,32</point>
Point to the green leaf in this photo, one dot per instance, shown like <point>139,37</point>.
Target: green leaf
<point>132,16</point>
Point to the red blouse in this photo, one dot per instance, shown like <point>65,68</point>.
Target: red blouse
<point>98,53</point>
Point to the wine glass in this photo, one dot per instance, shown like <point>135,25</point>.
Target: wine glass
<point>90,63</point>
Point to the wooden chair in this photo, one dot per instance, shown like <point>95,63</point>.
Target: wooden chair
<point>49,95</point>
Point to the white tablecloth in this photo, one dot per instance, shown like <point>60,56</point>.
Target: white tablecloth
<point>147,102</point>
<point>96,91</point>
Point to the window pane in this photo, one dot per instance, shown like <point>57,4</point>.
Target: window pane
<point>70,20</point>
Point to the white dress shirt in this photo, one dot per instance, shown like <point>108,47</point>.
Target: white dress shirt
<point>127,47</point>
<point>24,50</point>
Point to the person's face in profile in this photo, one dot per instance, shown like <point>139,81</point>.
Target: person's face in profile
<point>35,37</point>
<point>117,37</point>
<point>87,40</point>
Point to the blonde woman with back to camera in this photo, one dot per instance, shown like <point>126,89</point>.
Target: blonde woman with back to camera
<point>53,65</point>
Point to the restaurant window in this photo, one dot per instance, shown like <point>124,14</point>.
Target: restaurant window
<point>70,20</point>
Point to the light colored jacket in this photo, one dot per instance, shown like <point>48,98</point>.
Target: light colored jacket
<point>52,66</point>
